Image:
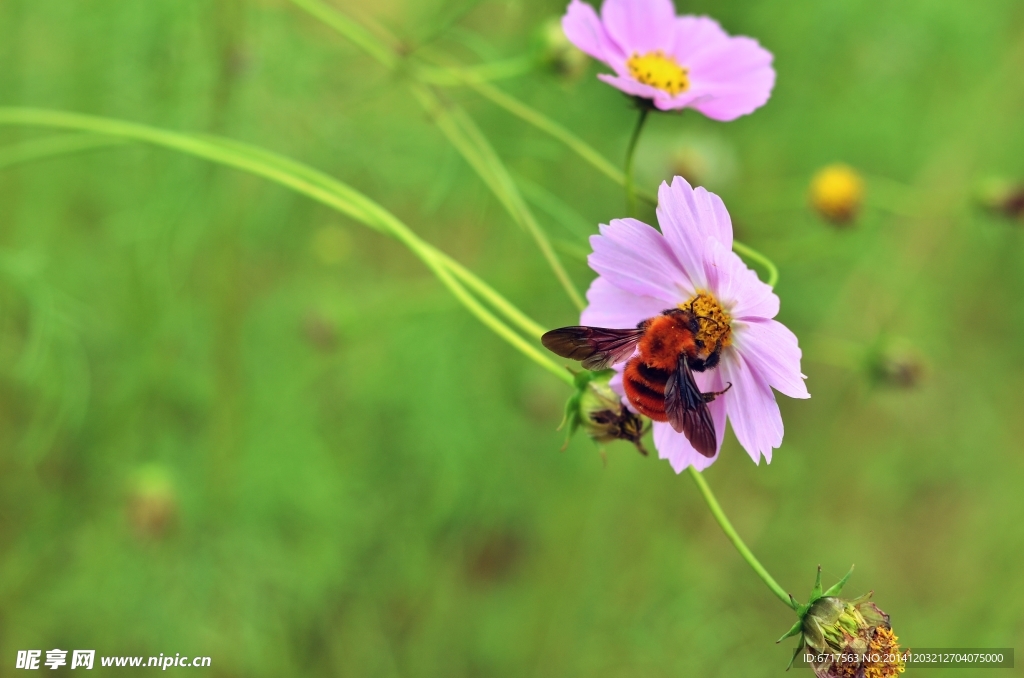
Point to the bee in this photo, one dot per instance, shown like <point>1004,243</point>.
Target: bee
<point>658,380</point>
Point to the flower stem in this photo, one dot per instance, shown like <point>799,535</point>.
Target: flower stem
<point>734,537</point>
<point>750,253</point>
<point>630,152</point>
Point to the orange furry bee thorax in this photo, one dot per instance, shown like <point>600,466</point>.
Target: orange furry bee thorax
<point>666,339</point>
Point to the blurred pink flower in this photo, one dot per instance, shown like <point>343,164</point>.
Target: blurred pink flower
<point>676,61</point>
<point>642,272</point>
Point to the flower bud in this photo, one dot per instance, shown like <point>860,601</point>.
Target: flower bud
<point>846,638</point>
<point>600,412</point>
<point>1003,197</point>
<point>837,192</point>
<point>152,503</point>
<point>558,54</point>
<point>899,365</point>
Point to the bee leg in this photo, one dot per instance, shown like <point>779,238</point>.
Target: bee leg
<point>708,397</point>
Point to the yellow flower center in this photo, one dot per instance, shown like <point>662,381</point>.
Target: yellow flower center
<point>659,70</point>
<point>715,327</point>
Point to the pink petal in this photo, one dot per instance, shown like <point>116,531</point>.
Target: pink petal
<point>613,307</point>
<point>693,35</point>
<point>676,448</point>
<point>639,26</point>
<point>772,351</point>
<point>732,60</point>
<point>733,79</point>
<point>751,406</point>
<point>583,28</point>
<point>636,258</point>
<point>616,385</point>
<point>664,101</point>
<point>736,286</point>
<point>631,86</point>
<point>687,218</point>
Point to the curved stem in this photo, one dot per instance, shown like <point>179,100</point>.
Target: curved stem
<point>460,130</point>
<point>630,153</point>
<point>525,323</point>
<point>471,143</point>
<point>734,537</point>
<point>493,297</point>
<point>751,253</point>
<point>480,74</point>
<point>555,130</point>
<point>352,30</point>
<point>323,189</point>
<point>550,127</point>
<point>51,147</point>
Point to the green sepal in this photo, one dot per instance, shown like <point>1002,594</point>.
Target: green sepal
<point>796,653</point>
<point>572,405</point>
<point>571,416</point>
<point>793,630</point>
<point>801,612</point>
<point>836,588</point>
<point>816,591</point>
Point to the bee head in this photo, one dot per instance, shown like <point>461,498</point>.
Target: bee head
<point>712,325</point>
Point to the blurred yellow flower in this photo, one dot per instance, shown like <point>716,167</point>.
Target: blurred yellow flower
<point>837,192</point>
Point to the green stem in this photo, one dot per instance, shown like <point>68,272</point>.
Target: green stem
<point>471,143</point>
<point>455,76</point>
<point>548,126</point>
<point>50,147</point>
<point>525,323</point>
<point>730,532</point>
<point>492,296</point>
<point>461,132</point>
<point>352,30</point>
<point>322,188</point>
<point>751,253</point>
<point>630,153</point>
<point>558,132</point>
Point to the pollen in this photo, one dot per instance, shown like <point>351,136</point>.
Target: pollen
<point>882,659</point>
<point>715,323</point>
<point>659,70</point>
<point>885,657</point>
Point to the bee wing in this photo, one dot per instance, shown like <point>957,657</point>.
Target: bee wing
<point>687,411</point>
<point>597,347</point>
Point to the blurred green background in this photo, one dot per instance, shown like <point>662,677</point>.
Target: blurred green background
<point>236,424</point>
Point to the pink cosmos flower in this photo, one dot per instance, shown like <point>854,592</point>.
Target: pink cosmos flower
<point>676,61</point>
<point>642,272</point>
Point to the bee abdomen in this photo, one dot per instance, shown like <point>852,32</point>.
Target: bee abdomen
<point>645,388</point>
<point>655,376</point>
